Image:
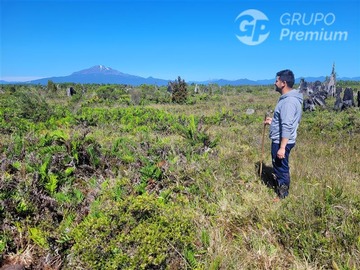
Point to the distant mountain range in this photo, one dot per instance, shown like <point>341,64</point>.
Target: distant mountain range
<point>105,75</point>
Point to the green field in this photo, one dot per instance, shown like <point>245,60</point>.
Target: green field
<point>117,177</point>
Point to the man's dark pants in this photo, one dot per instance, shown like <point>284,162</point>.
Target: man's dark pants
<point>281,166</point>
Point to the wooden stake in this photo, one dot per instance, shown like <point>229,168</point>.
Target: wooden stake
<point>262,144</point>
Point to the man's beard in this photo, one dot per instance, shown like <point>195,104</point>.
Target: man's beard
<point>277,89</point>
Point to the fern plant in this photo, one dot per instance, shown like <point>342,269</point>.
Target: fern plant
<point>195,132</point>
<point>190,258</point>
<point>52,183</point>
<point>39,237</point>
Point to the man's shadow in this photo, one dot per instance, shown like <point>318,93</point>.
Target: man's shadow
<point>267,176</point>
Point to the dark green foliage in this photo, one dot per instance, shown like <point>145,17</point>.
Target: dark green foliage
<point>112,93</point>
<point>51,87</point>
<point>179,91</point>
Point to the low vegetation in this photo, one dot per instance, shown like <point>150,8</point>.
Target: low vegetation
<point>116,177</point>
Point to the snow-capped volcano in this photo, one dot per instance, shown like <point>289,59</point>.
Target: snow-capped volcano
<point>99,69</point>
<point>102,74</point>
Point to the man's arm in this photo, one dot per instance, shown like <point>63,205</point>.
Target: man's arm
<point>281,151</point>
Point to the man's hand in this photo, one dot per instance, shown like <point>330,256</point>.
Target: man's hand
<point>268,121</point>
<point>281,153</point>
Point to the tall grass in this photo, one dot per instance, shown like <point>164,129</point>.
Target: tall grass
<point>180,182</point>
<point>316,227</point>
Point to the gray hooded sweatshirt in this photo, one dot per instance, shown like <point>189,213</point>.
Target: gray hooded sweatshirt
<point>287,116</point>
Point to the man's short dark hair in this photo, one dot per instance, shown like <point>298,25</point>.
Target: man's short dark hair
<point>287,76</point>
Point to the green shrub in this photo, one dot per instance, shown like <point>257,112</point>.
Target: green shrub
<point>138,232</point>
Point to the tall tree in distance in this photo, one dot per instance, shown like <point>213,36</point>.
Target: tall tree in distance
<point>51,87</point>
<point>179,91</point>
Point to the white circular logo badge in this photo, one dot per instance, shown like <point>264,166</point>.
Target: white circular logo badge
<point>253,27</point>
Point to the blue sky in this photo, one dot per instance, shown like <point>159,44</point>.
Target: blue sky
<point>196,40</point>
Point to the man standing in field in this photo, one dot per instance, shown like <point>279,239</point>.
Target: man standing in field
<point>283,128</point>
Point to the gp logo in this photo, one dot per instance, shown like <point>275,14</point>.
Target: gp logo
<point>253,27</point>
